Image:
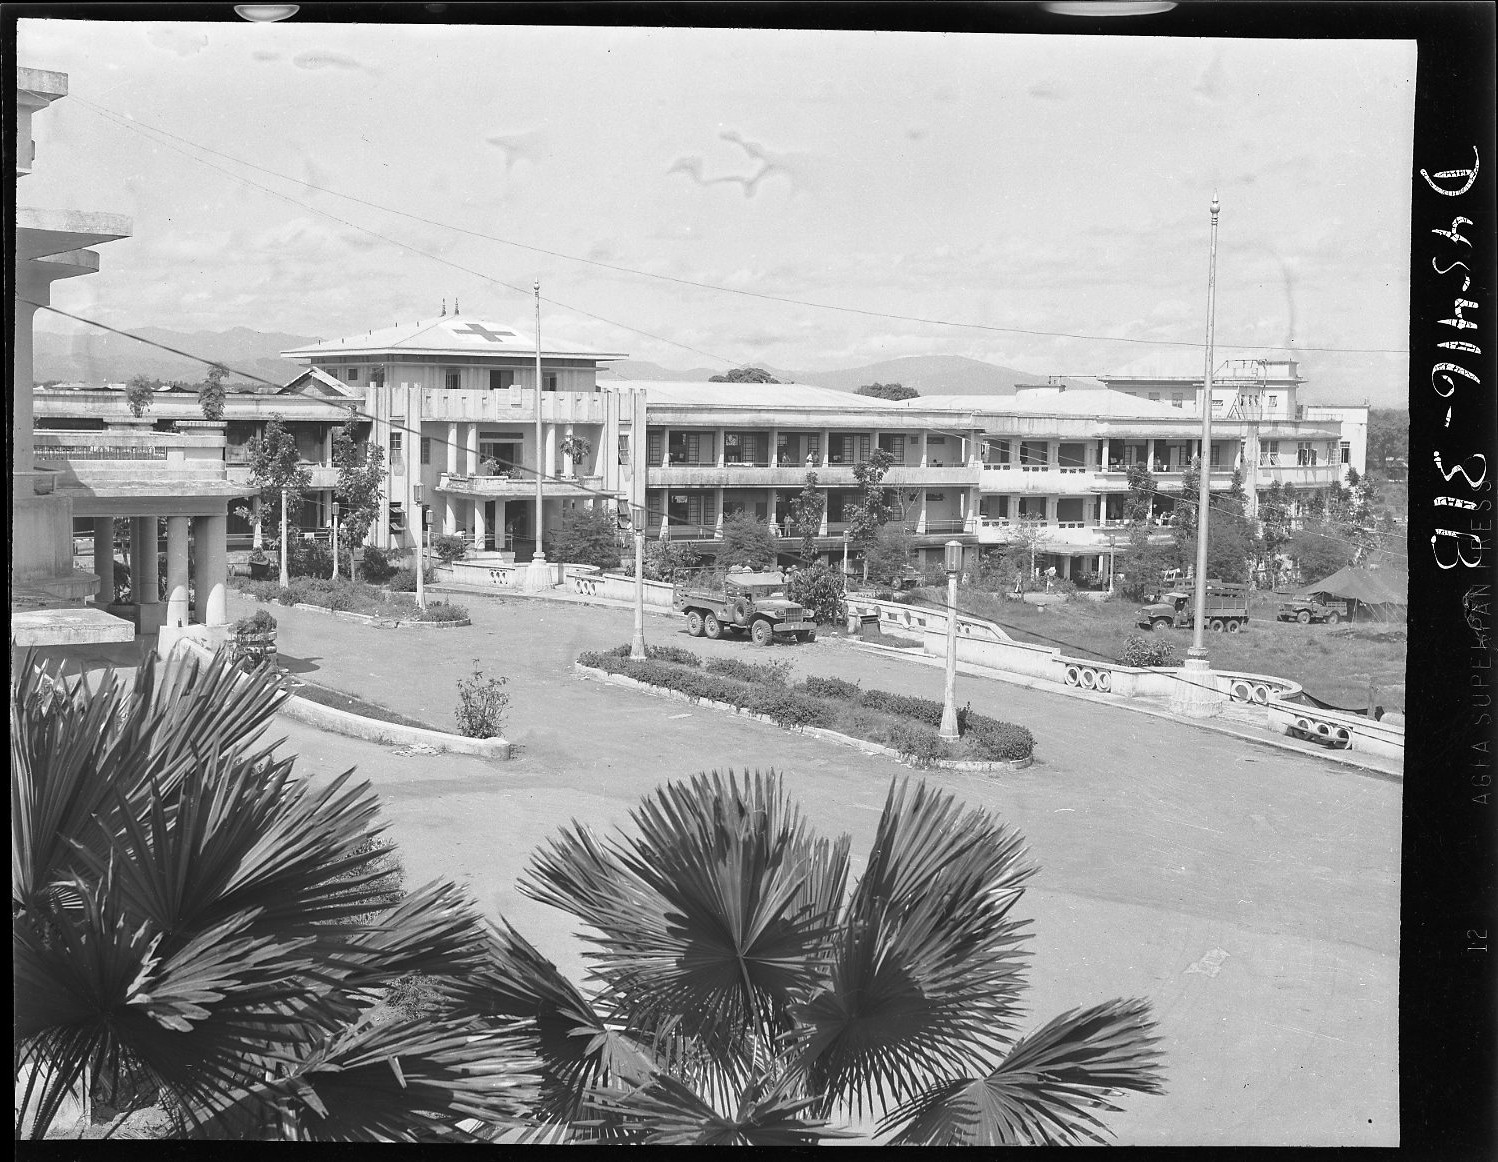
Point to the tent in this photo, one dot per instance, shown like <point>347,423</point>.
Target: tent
<point>1384,591</point>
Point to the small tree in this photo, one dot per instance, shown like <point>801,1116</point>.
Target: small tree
<point>585,536</point>
<point>668,560</point>
<point>890,554</point>
<point>211,392</point>
<point>140,392</point>
<point>361,481</point>
<point>276,469</point>
<point>806,513</point>
<point>876,504</point>
<point>820,590</point>
<point>482,705</point>
<point>747,540</point>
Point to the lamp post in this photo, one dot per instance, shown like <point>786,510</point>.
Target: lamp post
<point>637,525</point>
<point>949,705</point>
<point>1196,695</point>
<point>285,577</point>
<point>335,540</point>
<point>540,466</point>
<point>846,537</point>
<point>421,525</point>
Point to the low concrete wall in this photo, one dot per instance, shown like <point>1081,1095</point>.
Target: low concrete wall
<point>1336,730</point>
<point>586,581</point>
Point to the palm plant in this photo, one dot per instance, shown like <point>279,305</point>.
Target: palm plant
<point>188,912</point>
<point>746,993</point>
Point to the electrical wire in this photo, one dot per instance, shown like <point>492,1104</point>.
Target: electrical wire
<point>140,127</point>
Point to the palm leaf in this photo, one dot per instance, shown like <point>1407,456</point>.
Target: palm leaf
<point>710,921</point>
<point>927,969</point>
<point>1045,1089</point>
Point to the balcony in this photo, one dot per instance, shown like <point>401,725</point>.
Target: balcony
<point>1300,475</point>
<point>1038,480</point>
<point>513,405</point>
<point>683,475</point>
<point>516,487</point>
<point>237,462</point>
<point>115,463</point>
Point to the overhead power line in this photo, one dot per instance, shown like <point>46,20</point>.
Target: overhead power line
<point>139,126</point>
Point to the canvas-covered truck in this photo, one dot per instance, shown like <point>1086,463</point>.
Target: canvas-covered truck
<point>1308,609</point>
<point>1226,608</point>
<point>742,603</point>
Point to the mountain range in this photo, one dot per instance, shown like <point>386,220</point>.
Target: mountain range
<point>97,358</point>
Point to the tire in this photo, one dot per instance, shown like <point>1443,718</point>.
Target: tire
<point>712,627</point>
<point>743,610</point>
<point>1216,625</point>
<point>762,632</point>
<point>1234,626</point>
<point>1333,617</point>
<point>1159,623</point>
<point>694,623</point>
<point>1304,617</point>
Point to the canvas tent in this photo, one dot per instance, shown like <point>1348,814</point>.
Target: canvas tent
<point>1383,591</point>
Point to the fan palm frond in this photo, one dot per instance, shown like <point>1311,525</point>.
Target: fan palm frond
<point>1043,1092</point>
<point>928,967</point>
<point>710,921</point>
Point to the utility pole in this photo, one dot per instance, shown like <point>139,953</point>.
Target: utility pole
<point>953,563</point>
<point>285,577</point>
<point>637,526</point>
<point>539,446</point>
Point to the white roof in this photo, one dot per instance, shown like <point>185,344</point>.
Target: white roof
<point>445,335</point>
<point>1073,401</point>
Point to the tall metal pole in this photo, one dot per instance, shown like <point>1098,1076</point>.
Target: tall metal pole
<point>637,643</point>
<point>538,552</point>
<point>949,701</point>
<point>1198,648</point>
<point>285,578</point>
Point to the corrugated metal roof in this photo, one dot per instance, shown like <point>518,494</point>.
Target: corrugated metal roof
<point>1071,402</point>
<point>689,393</point>
<point>446,335</point>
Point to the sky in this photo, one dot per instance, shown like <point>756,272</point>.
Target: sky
<point>1049,194</point>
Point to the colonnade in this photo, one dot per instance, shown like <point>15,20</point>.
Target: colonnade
<point>204,537</point>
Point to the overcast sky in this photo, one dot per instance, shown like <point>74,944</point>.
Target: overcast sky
<point>1040,184</point>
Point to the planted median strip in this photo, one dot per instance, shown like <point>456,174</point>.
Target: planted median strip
<point>829,707</point>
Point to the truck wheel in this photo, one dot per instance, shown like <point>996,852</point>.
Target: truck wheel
<point>694,623</point>
<point>712,626</point>
<point>1304,617</point>
<point>1333,617</point>
<point>743,610</point>
<point>1234,626</point>
<point>1216,625</point>
<point>1159,623</point>
<point>762,632</point>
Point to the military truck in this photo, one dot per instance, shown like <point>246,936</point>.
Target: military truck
<point>1308,609</point>
<point>741,602</point>
<point>1226,608</point>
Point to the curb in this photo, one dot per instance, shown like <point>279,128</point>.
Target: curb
<point>1345,758</point>
<point>821,732</point>
<point>372,619</point>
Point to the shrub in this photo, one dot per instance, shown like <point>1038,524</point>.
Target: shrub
<point>443,611</point>
<point>991,739</point>
<point>923,747</point>
<point>659,654</point>
<point>377,565</point>
<point>257,622</point>
<point>585,536</point>
<point>1139,650</point>
<point>768,673</point>
<point>831,688</point>
<point>819,589</point>
<point>449,547</point>
<point>787,707</point>
<point>404,580</point>
<point>482,704</point>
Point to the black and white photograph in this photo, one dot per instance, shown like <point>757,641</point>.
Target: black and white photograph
<point>753,574</point>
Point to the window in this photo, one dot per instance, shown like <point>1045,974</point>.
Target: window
<point>624,449</point>
<point>1177,400</point>
<point>549,382</point>
<point>1346,452</point>
<point>500,379</point>
<point>397,518</point>
<point>426,449</point>
<point>1274,401</point>
<point>998,451</point>
<point>352,376</point>
<point>1071,456</point>
<point>395,443</point>
<point>1155,395</point>
<point>894,445</point>
<point>1216,457</point>
<point>452,378</point>
<point>1034,453</point>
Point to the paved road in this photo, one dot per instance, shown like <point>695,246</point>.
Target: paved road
<point>1158,843</point>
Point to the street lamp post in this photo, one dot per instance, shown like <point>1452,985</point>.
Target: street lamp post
<point>421,525</point>
<point>335,540</point>
<point>949,706</point>
<point>1195,695</point>
<point>637,525</point>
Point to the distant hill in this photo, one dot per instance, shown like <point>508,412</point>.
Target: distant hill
<point>928,374</point>
<point>103,357</point>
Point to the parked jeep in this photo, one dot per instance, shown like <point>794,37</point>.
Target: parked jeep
<point>742,602</point>
<point>1308,609</point>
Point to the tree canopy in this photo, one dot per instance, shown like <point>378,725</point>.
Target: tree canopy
<point>888,391</point>
<point>747,540</point>
<point>585,536</point>
<point>276,468</point>
<point>807,509</point>
<point>744,375</point>
<point>361,481</point>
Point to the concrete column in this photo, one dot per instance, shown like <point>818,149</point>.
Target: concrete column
<point>472,466</point>
<point>104,560</point>
<point>499,523</point>
<point>770,511</point>
<point>718,518</point>
<point>920,520</point>
<point>569,466</point>
<point>453,448</point>
<point>774,454</point>
<point>1149,455</point>
<point>722,448</point>
<point>548,465</point>
<point>213,568</point>
<point>478,524</point>
<point>177,612</point>
<point>200,570</point>
<point>665,448</point>
<point>145,575</point>
<point>826,505</point>
<point>257,515</point>
<point>924,450</point>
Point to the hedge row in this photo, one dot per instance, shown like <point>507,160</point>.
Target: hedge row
<point>763,690</point>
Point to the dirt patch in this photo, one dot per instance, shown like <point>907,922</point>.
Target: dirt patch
<point>338,700</point>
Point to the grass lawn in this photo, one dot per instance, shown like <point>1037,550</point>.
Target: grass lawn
<point>1334,663</point>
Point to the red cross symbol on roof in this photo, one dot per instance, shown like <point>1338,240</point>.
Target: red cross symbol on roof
<point>482,331</point>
